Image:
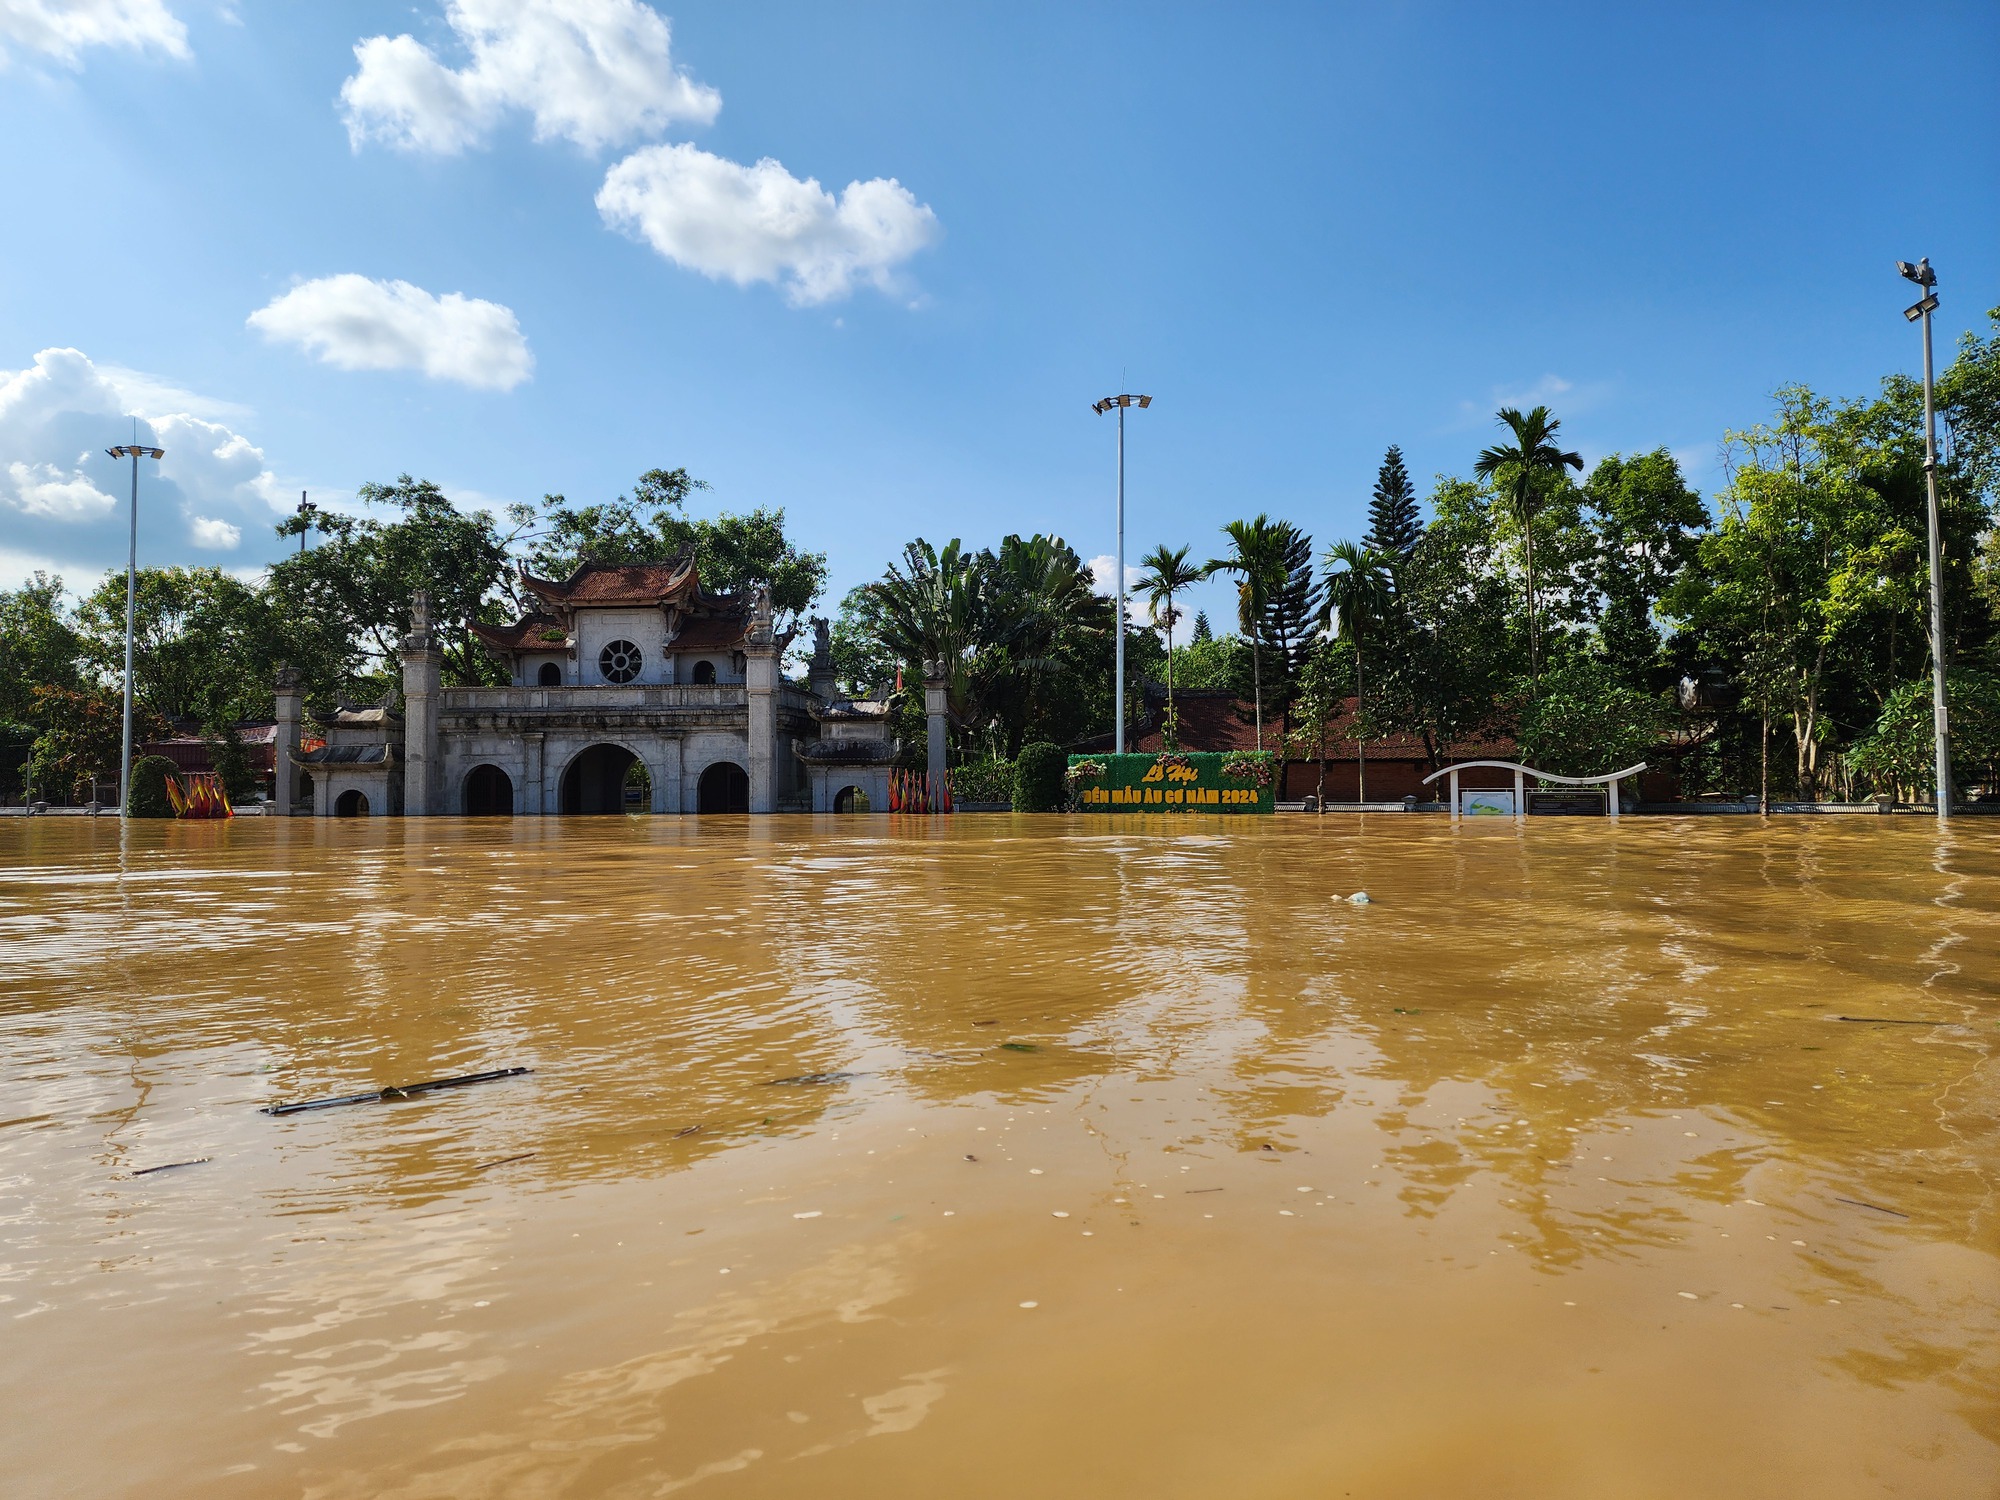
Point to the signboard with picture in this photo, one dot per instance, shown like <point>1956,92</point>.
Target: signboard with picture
<point>1486,802</point>
<point>1175,782</point>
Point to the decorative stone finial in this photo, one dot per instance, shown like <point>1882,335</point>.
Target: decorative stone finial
<point>761,631</point>
<point>419,638</point>
<point>290,679</point>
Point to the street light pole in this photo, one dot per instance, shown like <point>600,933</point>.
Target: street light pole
<point>1922,274</point>
<point>134,451</point>
<point>1118,686</point>
<point>305,512</point>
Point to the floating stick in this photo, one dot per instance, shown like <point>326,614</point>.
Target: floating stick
<point>404,1092</point>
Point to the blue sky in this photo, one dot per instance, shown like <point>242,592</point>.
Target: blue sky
<point>1307,231</point>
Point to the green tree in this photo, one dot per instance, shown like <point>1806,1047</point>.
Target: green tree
<point>205,644</point>
<point>1359,593</point>
<point>231,762</point>
<point>1212,662</point>
<point>1167,574</point>
<point>734,552</point>
<point>348,599</point>
<point>1897,755</point>
<point>1291,621</point>
<point>1647,526</point>
<point>1585,721</point>
<point>1257,557</point>
<point>1524,469</point>
<point>1393,520</point>
<point>82,737</point>
<point>39,645</point>
<point>1447,666</point>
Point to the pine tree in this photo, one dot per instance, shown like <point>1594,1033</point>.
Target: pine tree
<point>1290,620</point>
<point>1202,630</point>
<point>1393,523</point>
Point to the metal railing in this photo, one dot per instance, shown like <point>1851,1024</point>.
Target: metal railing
<point>560,699</point>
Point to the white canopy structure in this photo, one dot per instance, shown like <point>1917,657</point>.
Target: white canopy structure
<point>1609,780</point>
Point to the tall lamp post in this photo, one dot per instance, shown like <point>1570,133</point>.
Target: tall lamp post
<point>305,511</point>
<point>1926,279</point>
<point>1101,407</point>
<point>135,452</point>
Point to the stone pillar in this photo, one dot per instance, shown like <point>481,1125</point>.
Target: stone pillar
<point>667,780</point>
<point>285,744</point>
<point>531,800</point>
<point>935,685</point>
<point>422,690</point>
<point>819,676</point>
<point>760,674</point>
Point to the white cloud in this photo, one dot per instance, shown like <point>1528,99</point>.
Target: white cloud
<point>596,72</point>
<point>62,29</point>
<point>760,223</point>
<point>44,490</point>
<point>61,497</point>
<point>216,536</point>
<point>1104,578</point>
<point>354,323</point>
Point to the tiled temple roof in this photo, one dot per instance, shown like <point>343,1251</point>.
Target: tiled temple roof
<point>675,582</point>
<point>525,633</point>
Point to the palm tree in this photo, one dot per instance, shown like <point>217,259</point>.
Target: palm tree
<point>1358,594</point>
<point>1257,558</point>
<point>1524,469</point>
<point>927,610</point>
<point>1167,574</point>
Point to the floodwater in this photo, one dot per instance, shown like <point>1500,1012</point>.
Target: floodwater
<point>1135,1162</point>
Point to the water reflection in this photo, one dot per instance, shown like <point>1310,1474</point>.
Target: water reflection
<point>1583,1052</point>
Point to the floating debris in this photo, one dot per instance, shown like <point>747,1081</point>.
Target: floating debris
<point>169,1166</point>
<point>680,1134</point>
<point>403,1091</point>
<point>1887,1021</point>
<point>505,1161</point>
<point>1018,1047</point>
<point>1359,898</point>
<point>809,1078</point>
<point>1855,1201</point>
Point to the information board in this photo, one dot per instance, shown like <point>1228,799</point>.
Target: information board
<point>1580,802</point>
<point>1169,782</point>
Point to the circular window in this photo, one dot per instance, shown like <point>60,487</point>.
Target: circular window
<point>619,661</point>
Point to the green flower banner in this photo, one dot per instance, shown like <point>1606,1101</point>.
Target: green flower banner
<point>1191,782</point>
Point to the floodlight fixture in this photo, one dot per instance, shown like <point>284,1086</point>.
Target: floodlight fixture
<point>1119,403</point>
<point>135,452</point>
<point>1922,274</point>
<point>1101,407</point>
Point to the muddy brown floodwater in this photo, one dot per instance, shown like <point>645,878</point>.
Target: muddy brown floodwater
<point>1001,1157</point>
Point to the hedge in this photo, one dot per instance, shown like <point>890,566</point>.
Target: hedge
<point>148,796</point>
<point>1039,784</point>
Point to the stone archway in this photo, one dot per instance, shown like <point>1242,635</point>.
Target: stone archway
<point>724,788</point>
<point>489,793</point>
<point>351,803</point>
<point>606,779</point>
<point>850,799</point>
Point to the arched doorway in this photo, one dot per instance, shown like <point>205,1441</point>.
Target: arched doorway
<point>724,788</point>
<point>704,673</point>
<point>550,675</point>
<point>850,799</point>
<point>489,793</point>
<point>350,804</point>
<point>606,779</point>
